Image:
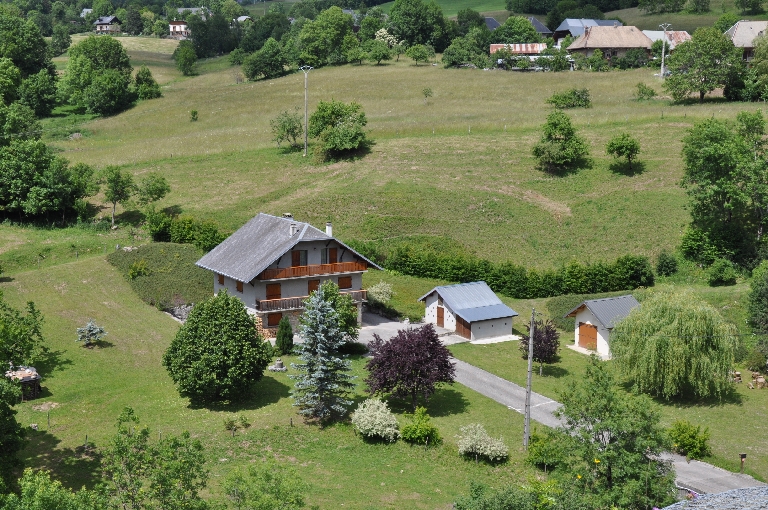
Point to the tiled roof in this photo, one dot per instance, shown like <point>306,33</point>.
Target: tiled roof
<point>612,37</point>
<point>744,32</point>
<point>608,311</point>
<point>674,37</point>
<point>472,301</point>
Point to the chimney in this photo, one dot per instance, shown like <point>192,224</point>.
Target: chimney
<point>329,229</point>
<point>294,229</point>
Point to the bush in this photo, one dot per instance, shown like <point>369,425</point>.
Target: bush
<point>146,86</point>
<point>237,56</point>
<point>722,273</point>
<point>380,293</point>
<point>546,450</point>
<point>287,127</point>
<point>373,419</point>
<point>696,246</point>
<point>138,268</point>
<point>666,264</point>
<point>284,340</point>
<point>644,92</point>
<point>476,442</point>
<point>572,98</point>
<point>756,361</point>
<point>338,127</point>
<point>689,440</point>
<point>90,334</point>
<point>421,430</point>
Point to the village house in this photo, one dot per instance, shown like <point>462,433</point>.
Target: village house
<point>596,318</point>
<point>472,310</point>
<point>614,41</point>
<point>540,28</point>
<point>491,23</point>
<point>107,25</point>
<point>576,27</point>
<point>178,29</point>
<point>743,35</point>
<point>273,263</point>
<point>674,37</point>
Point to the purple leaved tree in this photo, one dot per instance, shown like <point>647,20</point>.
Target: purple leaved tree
<point>546,343</point>
<point>409,364</point>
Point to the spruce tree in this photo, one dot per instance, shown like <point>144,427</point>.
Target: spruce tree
<point>284,340</point>
<point>321,388</point>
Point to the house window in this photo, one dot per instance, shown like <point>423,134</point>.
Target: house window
<point>328,256</point>
<point>273,319</point>
<point>345,282</point>
<point>298,258</point>
<point>273,291</point>
<point>312,285</point>
<point>221,279</point>
<point>240,286</point>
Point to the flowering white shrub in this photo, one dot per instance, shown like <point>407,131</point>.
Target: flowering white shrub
<point>474,440</point>
<point>380,293</point>
<point>374,419</point>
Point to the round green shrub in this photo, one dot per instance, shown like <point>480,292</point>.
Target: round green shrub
<point>421,430</point>
<point>722,273</point>
<point>666,264</point>
<point>689,440</point>
<point>755,361</point>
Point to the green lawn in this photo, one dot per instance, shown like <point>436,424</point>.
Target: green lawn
<point>89,387</point>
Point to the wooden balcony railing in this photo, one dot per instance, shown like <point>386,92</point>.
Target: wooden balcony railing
<point>313,270</point>
<point>297,303</point>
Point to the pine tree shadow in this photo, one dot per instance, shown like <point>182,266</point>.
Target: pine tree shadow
<point>623,168</point>
<point>74,467</point>
<point>265,392</point>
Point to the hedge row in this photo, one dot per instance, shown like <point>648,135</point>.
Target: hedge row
<point>204,235</point>
<point>627,272</point>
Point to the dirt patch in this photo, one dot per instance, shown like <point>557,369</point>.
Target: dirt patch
<point>557,209</point>
<point>45,406</point>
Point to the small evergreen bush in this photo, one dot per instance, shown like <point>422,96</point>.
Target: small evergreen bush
<point>90,334</point>
<point>666,264</point>
<point>572,98</point>
<point>476,442</point>
<point>421,430</point>
<point>722,273</point>
<point>284,340</point>
<point>689,440</point>
<point>373,419</point>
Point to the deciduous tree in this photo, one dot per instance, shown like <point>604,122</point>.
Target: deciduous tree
<point>560,146</point>
<point>516,29</point>
<point>338,126</point>
<point>146,86</point>
<point>217,354</point>
<point>409,365</point>
<point>21,338</point>
<point>119,187</point>
<point>11,432</point>
<point>39,492</point>
<point>674,345</point>
<point>623,145</point>
<point>185,58</point>
<point>546,343</point>
<point>419,53</point>
<point>270,486</point>
<point>153,187</point>
<point>321,389</point>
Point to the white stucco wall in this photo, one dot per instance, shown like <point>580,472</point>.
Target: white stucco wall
<point>586,317</point>
<point>248,296</point>
<point>430,313</point>
<point>491,328</point>
<point>449,319</point>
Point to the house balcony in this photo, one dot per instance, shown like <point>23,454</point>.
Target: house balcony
<point>312,270</point>
<point>297,303</point>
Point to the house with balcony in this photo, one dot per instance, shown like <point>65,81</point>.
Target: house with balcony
<point>178,29</point>
<point>107,25</point>
<point>273,263</point>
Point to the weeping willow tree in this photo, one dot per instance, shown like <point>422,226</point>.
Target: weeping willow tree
<point>675,346</point>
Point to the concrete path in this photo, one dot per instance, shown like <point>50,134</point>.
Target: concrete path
<point>694,475</point>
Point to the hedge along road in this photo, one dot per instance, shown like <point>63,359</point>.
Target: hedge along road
<point>694,475</point>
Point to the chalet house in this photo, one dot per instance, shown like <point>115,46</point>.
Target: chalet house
<point>613,41</point>
<point>576,27</point>
<point>596,318</point>
<point>674,37</point>
<point>107,25</point>
<point>178,29</point>
<point>273,263</point>
<point>743,35</point>
<point>472,310</point>
<point>542,30</point>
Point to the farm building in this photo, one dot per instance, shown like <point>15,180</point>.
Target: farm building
<point>577,27</point>
<point>613,41</point>
<point>107,25</point>
<point>472,310</point>
<point>596,318</point>
<point>743,35</point>
<point>522,49</point>
<point>674,37</point>
<point>273,263</point>
<point>542,29</point>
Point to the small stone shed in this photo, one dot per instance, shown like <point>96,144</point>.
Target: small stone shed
<point>596,318</point>
<point>472,310</point>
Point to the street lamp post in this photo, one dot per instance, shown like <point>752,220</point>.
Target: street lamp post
<point>665,27</point>
<point>306,70</point>
<point>527,429</point>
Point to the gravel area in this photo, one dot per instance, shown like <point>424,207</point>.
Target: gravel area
<point>751,498</point>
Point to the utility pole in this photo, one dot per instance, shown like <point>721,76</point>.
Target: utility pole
<point>665,27</point>
<point>306,70</point>
<point>532,332</point>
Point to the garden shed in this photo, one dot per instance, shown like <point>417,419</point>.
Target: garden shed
<point>596,318</point>
<point>472,310</point>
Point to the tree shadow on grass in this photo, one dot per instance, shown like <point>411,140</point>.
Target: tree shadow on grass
<point>172,210</point>
<point>444,402</point>
<point>569,169</point>
<point>99,344</point>
<point>731,397</point>
<point>132,217</point>
<point>553,371</point>
<point>6,279</point>
<point>267,391</point>
<point>623,168</point>
<point>74,467</point>
<point>50,362</point>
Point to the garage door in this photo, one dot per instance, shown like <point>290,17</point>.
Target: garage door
<point>588,336</point>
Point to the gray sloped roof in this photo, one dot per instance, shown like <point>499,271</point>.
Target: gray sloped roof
<point>106,20</point>
<point>608,311</point>
<point>539,26</point>
<point>743,33</point>
<point>260,242</point>
<point>472,301</point>
<point>577,26</point>
<point>491,23</point>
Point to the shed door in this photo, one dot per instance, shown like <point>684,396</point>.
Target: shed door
<point>441,316</point>
<point>273,291</point>
<point>463,328</point>
<point>588,336</point>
